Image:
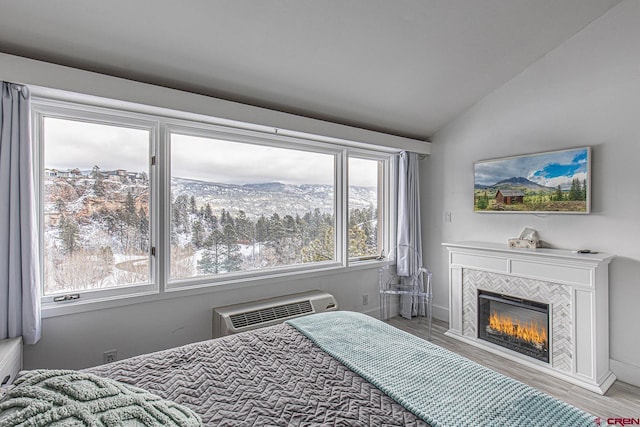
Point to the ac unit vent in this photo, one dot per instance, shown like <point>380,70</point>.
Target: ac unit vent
<point>270,314</point>
<point>242,317</point>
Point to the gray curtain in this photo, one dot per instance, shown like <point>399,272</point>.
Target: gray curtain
<point>19,256</point>
<point>409,229</point>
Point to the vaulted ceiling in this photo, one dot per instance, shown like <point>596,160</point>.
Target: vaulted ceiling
<point>405,67</point>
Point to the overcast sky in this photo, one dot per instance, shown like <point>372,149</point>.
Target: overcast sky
<point>72,144</point>
<point>548,169</point>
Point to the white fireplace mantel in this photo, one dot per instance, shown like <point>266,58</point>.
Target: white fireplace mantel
<point>576,287</point>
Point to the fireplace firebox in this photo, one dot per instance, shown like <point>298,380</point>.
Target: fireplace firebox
<point>517,324</point>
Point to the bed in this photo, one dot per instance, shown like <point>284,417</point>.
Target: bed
<point>336,368</point>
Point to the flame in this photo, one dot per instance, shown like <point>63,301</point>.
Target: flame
<point>530,332</point>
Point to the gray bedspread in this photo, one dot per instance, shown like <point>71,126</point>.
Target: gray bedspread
<point>269,377</point>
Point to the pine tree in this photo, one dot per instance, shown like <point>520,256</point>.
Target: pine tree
<point>276,234</point>
<point>95,172</point>
<point>98,187</point>
<point>143,229</point>
<point>575,191</point>
<point>192,205</point>
<point>289,225</point>
<point>357,242</point>
<point>213,253</point>
<point>320,249</point>
<point>197,234</point>
<point>69,234</point>
<point>131,217</point>
<point>208,212</point>
<point>558,195</point>
<point>244,227</point>
<point>232,257</point>
<point>483,201</point>
<point>144,177</point>
<point>207,264</point>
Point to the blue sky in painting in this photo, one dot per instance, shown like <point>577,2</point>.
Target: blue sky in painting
<point>547,169</point>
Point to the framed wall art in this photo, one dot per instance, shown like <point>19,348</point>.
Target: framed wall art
<point>549,182</point>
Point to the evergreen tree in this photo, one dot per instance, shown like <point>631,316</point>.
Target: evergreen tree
<point>207,263</point>
<point>275,239</point>
<point>232,257</point>
<point>143,229</point>
<point>131,217</point>
<point>95,172</point>
<point>192,205</point>
<point>197,234</point>
<point>483,201</point>
<point>261,232</point>
<point>575,192</point>
<point>180,214</point>
<point>289,225</point>
<point>213,252</point>
<point>358,242</point>
<point>144,178</point>
<point>321,249</point>
<point>69,234</point>
<point>208,213</point>
<point>558,194</point>
<point>244,227</point>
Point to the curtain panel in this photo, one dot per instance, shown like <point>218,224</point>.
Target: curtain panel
<point>19,255</point>
<point>409,232</point>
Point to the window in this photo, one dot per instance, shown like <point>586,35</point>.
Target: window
<point>95,194</point>
<point>136,201</point>
<point>365,207</point>
<point>239,206</point>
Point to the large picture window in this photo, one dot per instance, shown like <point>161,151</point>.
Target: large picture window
<point>136,201</point>
<point>241,206</point>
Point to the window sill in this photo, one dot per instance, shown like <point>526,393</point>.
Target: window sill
<point>79,306</point>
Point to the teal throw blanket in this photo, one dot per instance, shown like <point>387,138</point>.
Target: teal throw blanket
<point>441,387</point>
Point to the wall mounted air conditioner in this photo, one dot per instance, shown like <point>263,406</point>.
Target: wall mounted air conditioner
<point>232,319</point>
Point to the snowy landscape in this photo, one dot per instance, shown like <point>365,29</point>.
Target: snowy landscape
<point>96,227</point>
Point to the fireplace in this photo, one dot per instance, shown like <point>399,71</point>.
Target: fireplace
<point>517,324</point>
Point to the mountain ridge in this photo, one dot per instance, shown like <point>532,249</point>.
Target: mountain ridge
<point>514,183</point>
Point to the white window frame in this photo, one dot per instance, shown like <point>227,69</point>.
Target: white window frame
<point>42,109</point>
<point>386,193</point>
<point>161,122</point>
<point>250,137</point>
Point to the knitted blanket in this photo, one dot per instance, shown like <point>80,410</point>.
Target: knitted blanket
<point>441,387</point>
<point>70,398</point>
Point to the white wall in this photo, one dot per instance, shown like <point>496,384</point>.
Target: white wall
<point>585,92</point>
<point>78,340</point>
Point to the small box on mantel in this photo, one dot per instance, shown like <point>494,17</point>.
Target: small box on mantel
<point>524,243</point>
<point>527,239</point>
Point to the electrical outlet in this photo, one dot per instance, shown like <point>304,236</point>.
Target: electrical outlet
<point>447,217</point>
<point>109,356</point>
<point>365,299</point>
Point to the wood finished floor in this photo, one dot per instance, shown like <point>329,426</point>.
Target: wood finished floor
<point>622,400</point>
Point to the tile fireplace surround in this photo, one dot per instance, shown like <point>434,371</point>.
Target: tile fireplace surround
<point>576,287</point>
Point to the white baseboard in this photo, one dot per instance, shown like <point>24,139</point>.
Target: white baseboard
<point>373,312</point>
<point>626,372</point>
<point>441,313</point>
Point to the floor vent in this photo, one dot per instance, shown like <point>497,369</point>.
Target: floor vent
<point>243,317</point>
